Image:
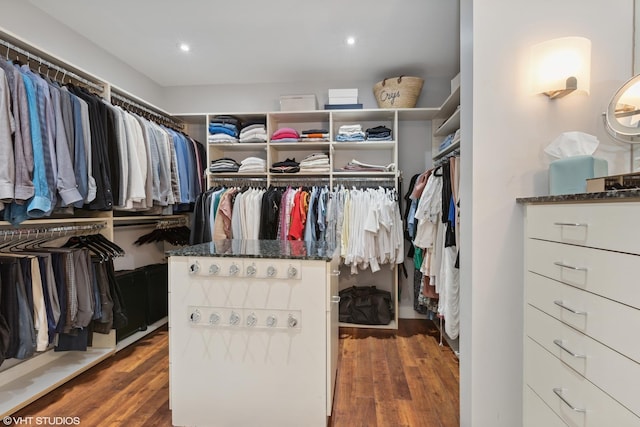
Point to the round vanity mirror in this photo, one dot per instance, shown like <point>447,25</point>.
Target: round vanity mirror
<point>622,118</point>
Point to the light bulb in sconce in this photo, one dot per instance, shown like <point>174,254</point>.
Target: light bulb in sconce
<point>561,66</point>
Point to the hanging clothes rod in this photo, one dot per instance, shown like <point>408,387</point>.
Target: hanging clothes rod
<point>362,178</point>
<point>238,182</point>
<point>123,100</point>
<point>297,181</point>
<point>444,159</point>
<point>51,66</point>
<point>170,223</point>
<point>56,231</point>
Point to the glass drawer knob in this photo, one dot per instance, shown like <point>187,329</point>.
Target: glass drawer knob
<point>292,272</point>
<point>194,268</point>
<point>234,319</point>
<point>251,270</point>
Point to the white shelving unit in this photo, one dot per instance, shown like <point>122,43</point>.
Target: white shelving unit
<point>446,122</point>
<point>340,153</point>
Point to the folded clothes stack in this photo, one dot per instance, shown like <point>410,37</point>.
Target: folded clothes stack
<point>449,139</point>
<point>357,166</point>
<point>288,166</point>
<point>350,133</point>
<point>379,133</point>
<point>223,129</point>
<point>224,164</point>
<point>285,135</point>
<point>314,135</point>
<point>254,133</point>
<point>315,163</point>
<point>253,164</point>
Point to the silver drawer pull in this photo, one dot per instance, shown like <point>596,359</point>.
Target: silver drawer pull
<point>570,267</point>
<point>561,305</point>
<point>335,273</point>
<point>560,344</point>
<point>335,299</point>
<point>571,224</point>
<point>558,392</point>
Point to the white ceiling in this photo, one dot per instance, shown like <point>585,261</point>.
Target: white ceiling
<point>270,41</point>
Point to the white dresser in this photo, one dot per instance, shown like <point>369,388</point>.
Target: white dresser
<point>582,314</point>
<point>253,334</point>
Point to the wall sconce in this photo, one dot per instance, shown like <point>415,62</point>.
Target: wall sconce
<point>561,66</point>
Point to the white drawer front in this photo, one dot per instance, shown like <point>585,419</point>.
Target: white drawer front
<point>607,321</point>
<point>615,374</point>
<point>537,413</point>
<point>584,404</point>
<point>610,274</point>
<point>600,225</point>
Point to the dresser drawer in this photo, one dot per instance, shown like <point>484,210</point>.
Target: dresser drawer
<point>612,372</point>
<point>600,225</point>
<point>606,321</point>
<point>610,274</point>
<point>537,413</point>
<point>569,394</point>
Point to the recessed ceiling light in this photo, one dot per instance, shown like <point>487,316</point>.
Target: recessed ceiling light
<point>351,40</point>
<point>185,47</point>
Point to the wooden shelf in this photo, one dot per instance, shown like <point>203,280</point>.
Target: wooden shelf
<point>391,325</point>
<point>450,125</point>
<point>454,145</point>
<point>239,146</point>
<point>449,105</point>
<point>33,378</point>
<point>363,145</point>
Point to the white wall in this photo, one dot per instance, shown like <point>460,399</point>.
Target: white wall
<point>265,97</point>
<point>29,24</point>
<point>505,129</point>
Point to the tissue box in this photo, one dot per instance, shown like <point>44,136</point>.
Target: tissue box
<point>569,176</point>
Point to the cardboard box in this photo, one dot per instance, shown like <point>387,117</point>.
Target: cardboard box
<point>298,103</point>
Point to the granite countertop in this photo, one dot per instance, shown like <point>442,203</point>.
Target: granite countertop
<point>604,196</point>
<point>285,249</point>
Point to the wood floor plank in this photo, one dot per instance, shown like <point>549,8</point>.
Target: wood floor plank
<point>385,378</point>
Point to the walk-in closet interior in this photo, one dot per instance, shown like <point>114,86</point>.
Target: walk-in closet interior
<point>184,167</point>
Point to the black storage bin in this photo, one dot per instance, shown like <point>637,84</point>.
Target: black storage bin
<point>133,286</point>
<point>157,282</point>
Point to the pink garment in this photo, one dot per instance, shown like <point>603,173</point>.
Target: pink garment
<point>285,133</point>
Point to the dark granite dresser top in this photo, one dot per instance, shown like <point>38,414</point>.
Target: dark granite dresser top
<point>289,249</point>
<point>610,196</point>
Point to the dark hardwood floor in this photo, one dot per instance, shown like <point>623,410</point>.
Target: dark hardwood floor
<point>385,379</point>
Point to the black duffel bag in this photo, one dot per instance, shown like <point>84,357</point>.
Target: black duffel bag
<point>365,305</point>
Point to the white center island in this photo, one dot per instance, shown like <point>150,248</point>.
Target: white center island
<point>253,333</point>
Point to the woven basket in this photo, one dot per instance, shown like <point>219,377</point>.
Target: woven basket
<point>398,92</point>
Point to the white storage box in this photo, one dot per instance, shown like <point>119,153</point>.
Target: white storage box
<point>298,103</point>
<point>343,96</point>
